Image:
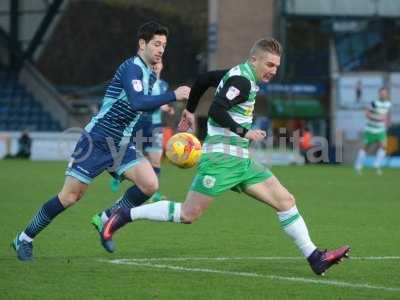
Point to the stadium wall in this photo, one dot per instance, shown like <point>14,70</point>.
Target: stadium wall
<point>238,25</point>
<point>45,145</point>
<point>47,95</point>
<point>233,27</point>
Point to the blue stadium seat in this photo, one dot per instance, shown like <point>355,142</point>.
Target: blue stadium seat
<point>19,109</point>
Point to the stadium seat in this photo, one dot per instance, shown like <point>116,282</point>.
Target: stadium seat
<point>19,109</point>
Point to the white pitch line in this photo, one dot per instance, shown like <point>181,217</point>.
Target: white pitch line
<point>144,259</point>
<point>251,274</point>
<point>376,257</point>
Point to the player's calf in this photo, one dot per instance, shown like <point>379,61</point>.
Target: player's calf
<point>194,206</point>
<point>190,213</point>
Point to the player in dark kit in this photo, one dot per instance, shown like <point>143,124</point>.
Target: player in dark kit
<point>106,141</point>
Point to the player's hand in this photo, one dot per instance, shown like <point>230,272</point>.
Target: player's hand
<point>187,121</point>
<point>168,109</point>
<point>182,93</point>
<point>255,135</point>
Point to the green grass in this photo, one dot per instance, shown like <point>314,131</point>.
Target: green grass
<point>338,206</point>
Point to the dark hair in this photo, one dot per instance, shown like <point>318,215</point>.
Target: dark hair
<point>149,29</point>
<point>383,88</point>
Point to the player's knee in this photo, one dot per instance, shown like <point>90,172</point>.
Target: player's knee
<point>156,163</point>
<point>150,187</point>
<point>291,200</point>
<point>287,202</point>
<point>70,198</point>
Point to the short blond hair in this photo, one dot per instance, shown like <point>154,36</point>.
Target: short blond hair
<point>269,45</point>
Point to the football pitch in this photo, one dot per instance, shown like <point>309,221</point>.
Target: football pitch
<point>235,251</point>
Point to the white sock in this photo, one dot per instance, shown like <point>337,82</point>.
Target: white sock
<point>360,159</point>
<point>380,156</point>
<point>293,224</point>
<point>159,211</point>
<point>24,237</point>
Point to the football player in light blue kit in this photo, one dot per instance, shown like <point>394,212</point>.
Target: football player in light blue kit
<point>147,138</point>
<point>106,141</point>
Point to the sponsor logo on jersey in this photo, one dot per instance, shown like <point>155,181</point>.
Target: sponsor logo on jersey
<point>137,85</point>
<point>209,181</point>
<point>232,93</point>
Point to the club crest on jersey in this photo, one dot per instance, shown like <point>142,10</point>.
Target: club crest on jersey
<point>232,93</point>
<point>137,85</point>
<point>209,181</point>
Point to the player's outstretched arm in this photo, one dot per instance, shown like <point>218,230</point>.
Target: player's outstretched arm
<point>200,86</point>
<point>169,109</point>
<point>182,93</point>
<point>202,83</point>
<point>133,86</point>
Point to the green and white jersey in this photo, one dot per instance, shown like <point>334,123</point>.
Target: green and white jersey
<point>376,119</point>
<point>236,93</point>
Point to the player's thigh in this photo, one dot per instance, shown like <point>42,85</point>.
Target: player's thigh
<point>72,191</point>
<point>143,175</point>
<point>217,173</point>
<point>271,192</point>
<point>194,206</point>
<point>155,158</point>
<point>91,157</point>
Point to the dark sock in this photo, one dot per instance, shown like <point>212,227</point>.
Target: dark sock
<point>44,216</point>
<point>157,171</point>
<point>123,217</point>
<point>133,197</point>
<point>126,214</point>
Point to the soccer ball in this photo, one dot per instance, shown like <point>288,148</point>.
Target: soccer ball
<point>183,150</point>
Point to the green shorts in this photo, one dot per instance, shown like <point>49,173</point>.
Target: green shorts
<point>370,138</point>
<point>218,172</point>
